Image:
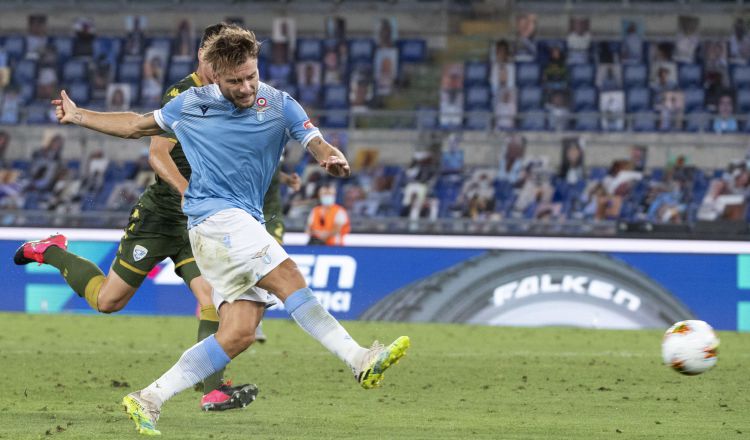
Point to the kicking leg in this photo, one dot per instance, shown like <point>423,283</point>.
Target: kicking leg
<point>368,366</point>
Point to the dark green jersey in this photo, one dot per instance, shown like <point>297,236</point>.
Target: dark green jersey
<point>160,197</point>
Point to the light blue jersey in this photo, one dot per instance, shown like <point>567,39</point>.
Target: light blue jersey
<point>233,152</point>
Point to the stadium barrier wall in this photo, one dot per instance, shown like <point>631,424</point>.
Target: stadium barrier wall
<point>528,281</point>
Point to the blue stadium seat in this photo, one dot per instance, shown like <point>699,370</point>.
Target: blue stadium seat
<point>638,99</point>
<point>27,92</point>
<point>178,69</point>
<point>427,118</point>
<point>162,43</point>
<point>75,70</point>
<point>527,74</point>
<point>478,121</point>
<point>587,122</point>
<point>694,99</point>
<point>644,121</point>
<point>529,98</point>
<point>80,92</point>
<point>37,114</point>
<point>130,71</point>
<point>264,55</point>
<point>361,51</point>
<point>534,121</point>
<point>697,122</point>
<point>280,74</point>
<point>477,97</point>
<point>634,75</point>
<point>25,72</point>
<point>309,95</point>
<point>335,96</point>
<point>309,49</point>
<point>690,75</point>
<point>335,119</point>
<point>741,77</point>
<point>585,99</point>
<point>15,46</point>
<point>742,100</point>
<point>581,74</point>
<point>109,47</point>
<point>412,51</point>
<point>476,73</point>
<point>63,46</point>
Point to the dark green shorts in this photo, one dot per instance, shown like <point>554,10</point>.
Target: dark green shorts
<point>147,241</point>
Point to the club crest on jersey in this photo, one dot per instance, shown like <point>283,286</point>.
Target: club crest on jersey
<point>261,104</point>
<point>139,252</point>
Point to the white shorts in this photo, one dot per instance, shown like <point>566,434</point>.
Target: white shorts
<point>233,251</point>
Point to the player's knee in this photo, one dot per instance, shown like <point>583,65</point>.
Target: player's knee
<point>109,306</point>
<point>239,342</point>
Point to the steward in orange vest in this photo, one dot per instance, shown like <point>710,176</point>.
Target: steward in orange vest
<point>328,222</point>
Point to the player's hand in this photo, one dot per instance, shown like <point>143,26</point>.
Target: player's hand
<point>65,109</point>
<point>336,166</point>
<point>294,182</point>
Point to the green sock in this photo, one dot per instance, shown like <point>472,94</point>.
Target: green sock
<point>205,329</point>
<point>83,276</point>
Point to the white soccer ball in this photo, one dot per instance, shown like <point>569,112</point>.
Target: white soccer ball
<point>690,347</point>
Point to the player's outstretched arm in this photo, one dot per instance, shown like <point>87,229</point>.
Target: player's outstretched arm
<point>127,125</point>
<point>163,164</point>
<point>329,157</point>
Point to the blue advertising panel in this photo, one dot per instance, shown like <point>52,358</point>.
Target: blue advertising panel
<point>495,287</point>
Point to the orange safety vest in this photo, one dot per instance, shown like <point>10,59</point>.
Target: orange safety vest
<point>326,223</point>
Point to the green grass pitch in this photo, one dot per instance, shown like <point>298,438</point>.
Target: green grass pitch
<point>63,376</point>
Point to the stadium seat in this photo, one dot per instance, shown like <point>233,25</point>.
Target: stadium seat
<point>581,74</point>
<point>130,72</point>
<point>476,73</point>
<point>63,46</point>
<point>178,69</point>
<point>80,92</point>
<point>309,95</point>
<point>741,77</point>
<point>634,75</point>
<point>75,70</point>
<point>27,92</point>
<point>309,49</point>
<point>587,121</point>
<point>534,121</point>
<point>697,122</point>
<point>694,99</point>
<point>108,47</point>
<point>742,100</point>
<point>644,121</point>
<point>527,74</point>
<point>638,99</point>
<point>38,113</point>
<point>584,99</point>
<point>162,44</point>
<point>25,72</point>
<point>427,118</point>
<point>335,97</point>
<point>529,98</point>
<point>15,46</point>
<point>280,74</point>
<point>478,121</point>
<point>361,51</point>
<point>477,97</point>
<point>412,51</point>
<point>690,75</point>
<point>335,119</point>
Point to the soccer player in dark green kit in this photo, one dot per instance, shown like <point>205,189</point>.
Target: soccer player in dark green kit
<point>157,229</point>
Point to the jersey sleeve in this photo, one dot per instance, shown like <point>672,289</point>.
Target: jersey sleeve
<point>169,115</point>
<point>168,96</point>
<point>298,123</point>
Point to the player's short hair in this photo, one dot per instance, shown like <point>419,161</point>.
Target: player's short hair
<point>210,31</point>
<point>230,48</point>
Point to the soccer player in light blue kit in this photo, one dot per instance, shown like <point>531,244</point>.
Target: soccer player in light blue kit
<point>232,133</point>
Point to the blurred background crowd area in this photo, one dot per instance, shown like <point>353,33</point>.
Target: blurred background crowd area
<point>458,117</point>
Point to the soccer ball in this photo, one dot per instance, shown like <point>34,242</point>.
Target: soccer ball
<point>690,347</point>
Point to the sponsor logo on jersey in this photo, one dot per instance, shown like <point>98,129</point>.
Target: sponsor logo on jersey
<point>308,125</point>
<point>173,93</point>
<point>204,109</point>
<point>262,252</point>
<point>139,252</point>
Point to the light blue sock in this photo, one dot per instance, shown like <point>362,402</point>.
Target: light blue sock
<point>318,323</point>
<point>196,363</point>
